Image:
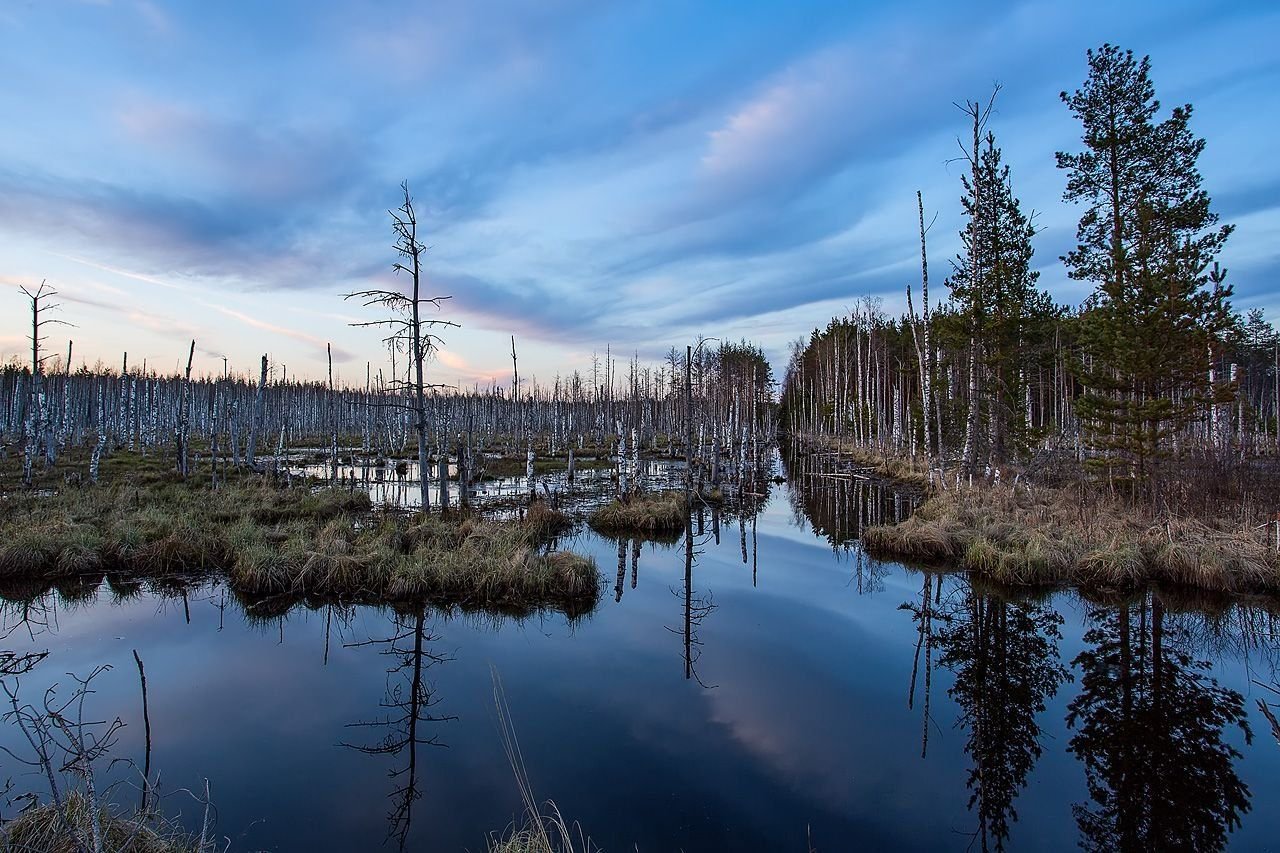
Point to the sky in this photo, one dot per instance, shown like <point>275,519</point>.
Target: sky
<point>588,174</point>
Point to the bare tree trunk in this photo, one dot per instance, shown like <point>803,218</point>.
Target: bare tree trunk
<point>184,416</point>
<point>102,439</point>
<point>257,424</point>
<point>333,421</point>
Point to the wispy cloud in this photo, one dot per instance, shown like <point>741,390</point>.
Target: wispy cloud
<point>321,345</point>
<point>587,173</point>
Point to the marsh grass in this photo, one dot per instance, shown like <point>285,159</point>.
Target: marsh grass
<point>43,829</point>
<point>272,541</point>
<point>543,829</point>
<point>1050,537</point>
<point>649,512</point>
<point>542,521</point>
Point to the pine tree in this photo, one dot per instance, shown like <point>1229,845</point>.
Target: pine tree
<point>994,285</point>
<point>1146,240</point>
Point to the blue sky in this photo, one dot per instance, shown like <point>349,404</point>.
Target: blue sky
<point>589,173</point>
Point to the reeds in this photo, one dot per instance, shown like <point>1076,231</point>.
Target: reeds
<point>1050,537</point>
<point>643,513</point>
<point>543,829</point>
<point>44,829</point>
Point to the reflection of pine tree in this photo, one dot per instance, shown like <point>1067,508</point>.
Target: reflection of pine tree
<point>1006,664</point>
<point>1149,728</point>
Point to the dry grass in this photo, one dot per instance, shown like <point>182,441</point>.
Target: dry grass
<point>544,522</point>
<point>1018,537</point>
<point>273,541</point>
<point>42,829</point>
<point>544,829</point>
<point>644,513</point>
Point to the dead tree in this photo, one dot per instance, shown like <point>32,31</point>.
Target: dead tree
<point>184,417</point>
<point>409,331</point>
<point>36,426</point>
<point>256,426</point>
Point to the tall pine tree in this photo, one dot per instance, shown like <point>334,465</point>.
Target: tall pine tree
<point>1146,240</point>
<point>995,288</point>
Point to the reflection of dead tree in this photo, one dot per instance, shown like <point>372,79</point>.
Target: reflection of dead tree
<point>695,609</point>
<point>622,568</point>
<point>923,614</point>
<point>868,573</point>
<point>13,664</point>
<point>405,711</point>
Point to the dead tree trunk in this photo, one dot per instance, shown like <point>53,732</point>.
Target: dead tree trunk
<point>184,416</point>
<point>256,427</point>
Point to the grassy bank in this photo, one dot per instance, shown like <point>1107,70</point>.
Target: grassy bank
<point>1057,536</point>
<point>268,540</point>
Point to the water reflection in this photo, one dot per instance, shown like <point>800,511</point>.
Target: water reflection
<point>406,720</point>
<point>1043,723</point>
<point>696,608</point>
<point>837,500</point>
<point>1149,725</point>
<point>1005,661</point>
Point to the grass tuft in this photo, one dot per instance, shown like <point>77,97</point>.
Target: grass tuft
<point>644,513</point>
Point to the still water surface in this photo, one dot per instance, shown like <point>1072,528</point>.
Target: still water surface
<point>793,692</point>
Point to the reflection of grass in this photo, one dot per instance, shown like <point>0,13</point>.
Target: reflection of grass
<point>644,513</point>
<point>1015,537</point>
<point>272,541</point>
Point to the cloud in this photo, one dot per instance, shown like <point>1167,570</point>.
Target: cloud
<point>586,173</point>
<point>323,347</point>
<point>236,239</point>
<point>264,159</point>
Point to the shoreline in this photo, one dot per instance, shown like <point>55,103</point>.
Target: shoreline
<point>1026,536</point>
<point>265,540</point>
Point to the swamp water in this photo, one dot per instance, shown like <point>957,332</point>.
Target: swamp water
<point>786,694</point>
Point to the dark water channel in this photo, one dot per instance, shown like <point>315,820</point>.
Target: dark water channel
<point>792,692</point>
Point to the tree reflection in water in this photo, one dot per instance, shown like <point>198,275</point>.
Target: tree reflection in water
<point>1149,727</point>
<point>1004,655</point>
<point>406,705</point>
<point>696,608</point>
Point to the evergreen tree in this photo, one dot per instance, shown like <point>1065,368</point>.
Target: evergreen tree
<point>995,287</point>
<point>1146,240</point>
